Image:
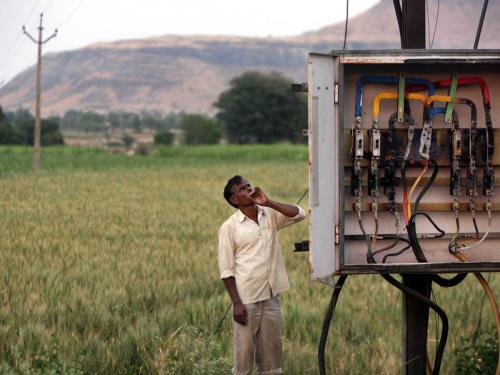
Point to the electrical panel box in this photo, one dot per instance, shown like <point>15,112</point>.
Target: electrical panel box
<point>402,155</point>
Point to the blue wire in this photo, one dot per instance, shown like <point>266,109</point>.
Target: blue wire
<point>358,111</point>
<point>435,111</point>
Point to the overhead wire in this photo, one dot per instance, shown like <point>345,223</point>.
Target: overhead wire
<point>428,23</point>
<point>480,25</point>
<point>47,6</point>
<point>346,23</point>
<point>71,13</point>
<point>399,17</point>
<point>435,25</point>
<point>14,44</point>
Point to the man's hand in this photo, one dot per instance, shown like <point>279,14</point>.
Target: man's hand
<point>260,197</point>
<point>240,313</point>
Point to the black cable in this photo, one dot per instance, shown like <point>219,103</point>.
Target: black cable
<point>326,323</point>
<point>302,196</point>
<point>436,308</point>
<point>411,227</point>
<point>448,283</point>
<point>346,22</point>
<point>412,236</point>
<point>399,17</point>
<point>222,320</point>
<point>384,259</point>
<point>480,26</point>
<point>369,255</point>
<point>429,183</point>
<point>475,227</point>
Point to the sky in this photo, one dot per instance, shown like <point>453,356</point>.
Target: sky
<point>83,22</point>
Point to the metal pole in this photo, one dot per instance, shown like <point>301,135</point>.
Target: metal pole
<point>415,313</point>
<point>38,127</point>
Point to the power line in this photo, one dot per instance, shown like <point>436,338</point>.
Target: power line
<point>480,26</point>
<point>31,13</point>
<point>428,23</point>
<point>435,25</point>
<point>71,13</point>
<point>346,23</point>
<point>14,45</point>
<point>47,6</point>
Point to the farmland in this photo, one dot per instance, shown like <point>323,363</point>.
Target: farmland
<point>109,267</point>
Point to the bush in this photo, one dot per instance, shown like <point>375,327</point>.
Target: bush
<point>164,137</point>
<point>200,130</point>
<point>128,140</point>
<point>143,149</point>
<point>480,358</point>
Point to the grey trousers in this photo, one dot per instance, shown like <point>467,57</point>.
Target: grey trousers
<point>259,339</point>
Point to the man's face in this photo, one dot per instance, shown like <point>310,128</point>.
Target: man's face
<point>242,194</point>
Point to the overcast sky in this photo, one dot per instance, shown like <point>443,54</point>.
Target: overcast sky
<point>82,22</point>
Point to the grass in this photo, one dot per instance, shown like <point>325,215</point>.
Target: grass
<point>109,266</point>
<point>15,160</point>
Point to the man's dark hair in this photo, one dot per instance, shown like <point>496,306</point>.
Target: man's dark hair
<point>228,189</point>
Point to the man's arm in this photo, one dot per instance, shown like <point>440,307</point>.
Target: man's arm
<point>283,214</point>
<point>239,310</point>
<point>261,199</point>
<point>226,265</point>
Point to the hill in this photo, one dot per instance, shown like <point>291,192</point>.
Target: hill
<point>174,73</point>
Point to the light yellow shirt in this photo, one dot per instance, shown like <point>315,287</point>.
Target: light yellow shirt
<point>251,253</point>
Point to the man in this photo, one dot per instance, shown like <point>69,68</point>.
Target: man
<point>252,268</point>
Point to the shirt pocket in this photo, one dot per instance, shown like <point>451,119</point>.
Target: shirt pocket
<point>247,240</point>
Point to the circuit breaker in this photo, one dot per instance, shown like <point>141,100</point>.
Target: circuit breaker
<point>403,161</point>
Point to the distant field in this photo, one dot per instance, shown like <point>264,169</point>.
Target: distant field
<point>109,267</point>
<point>16,160</point>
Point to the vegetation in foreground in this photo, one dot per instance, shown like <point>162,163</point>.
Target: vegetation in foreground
<point>109,267</point>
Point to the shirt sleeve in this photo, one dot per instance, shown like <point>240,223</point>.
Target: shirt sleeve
<point>226,253</point>
<point>283,221</point>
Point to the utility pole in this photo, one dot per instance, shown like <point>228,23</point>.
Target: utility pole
<point>415,313</point>
<point>38,127</point>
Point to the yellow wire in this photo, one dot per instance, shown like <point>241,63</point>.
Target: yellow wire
<point>438,98</point>
<point>415,184</point>
<point>393,95</point>
<point>491,298</point>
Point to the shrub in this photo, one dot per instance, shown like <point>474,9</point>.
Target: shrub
<point>480,358</point>
<point>128,140</point>
<point>164,137</point>
<point>199,130</point>
<point>143,149</point>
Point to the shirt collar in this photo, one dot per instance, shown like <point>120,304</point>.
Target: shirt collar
<point>241,216</point>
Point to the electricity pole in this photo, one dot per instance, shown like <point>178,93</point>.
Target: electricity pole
<point>415,313</point>
<point>38,127</point>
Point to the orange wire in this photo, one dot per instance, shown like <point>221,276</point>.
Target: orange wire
<point>415,184</point>
<point>491,298</point>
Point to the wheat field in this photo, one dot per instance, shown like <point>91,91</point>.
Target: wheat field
<point>109,266</point>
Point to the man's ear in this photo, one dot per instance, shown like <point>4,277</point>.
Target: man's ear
<point>233,199</point>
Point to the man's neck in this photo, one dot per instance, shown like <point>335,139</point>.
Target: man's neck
<point>250,212</point>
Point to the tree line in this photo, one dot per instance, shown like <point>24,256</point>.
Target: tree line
<point>17,128</point>
<point>256,108</point>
